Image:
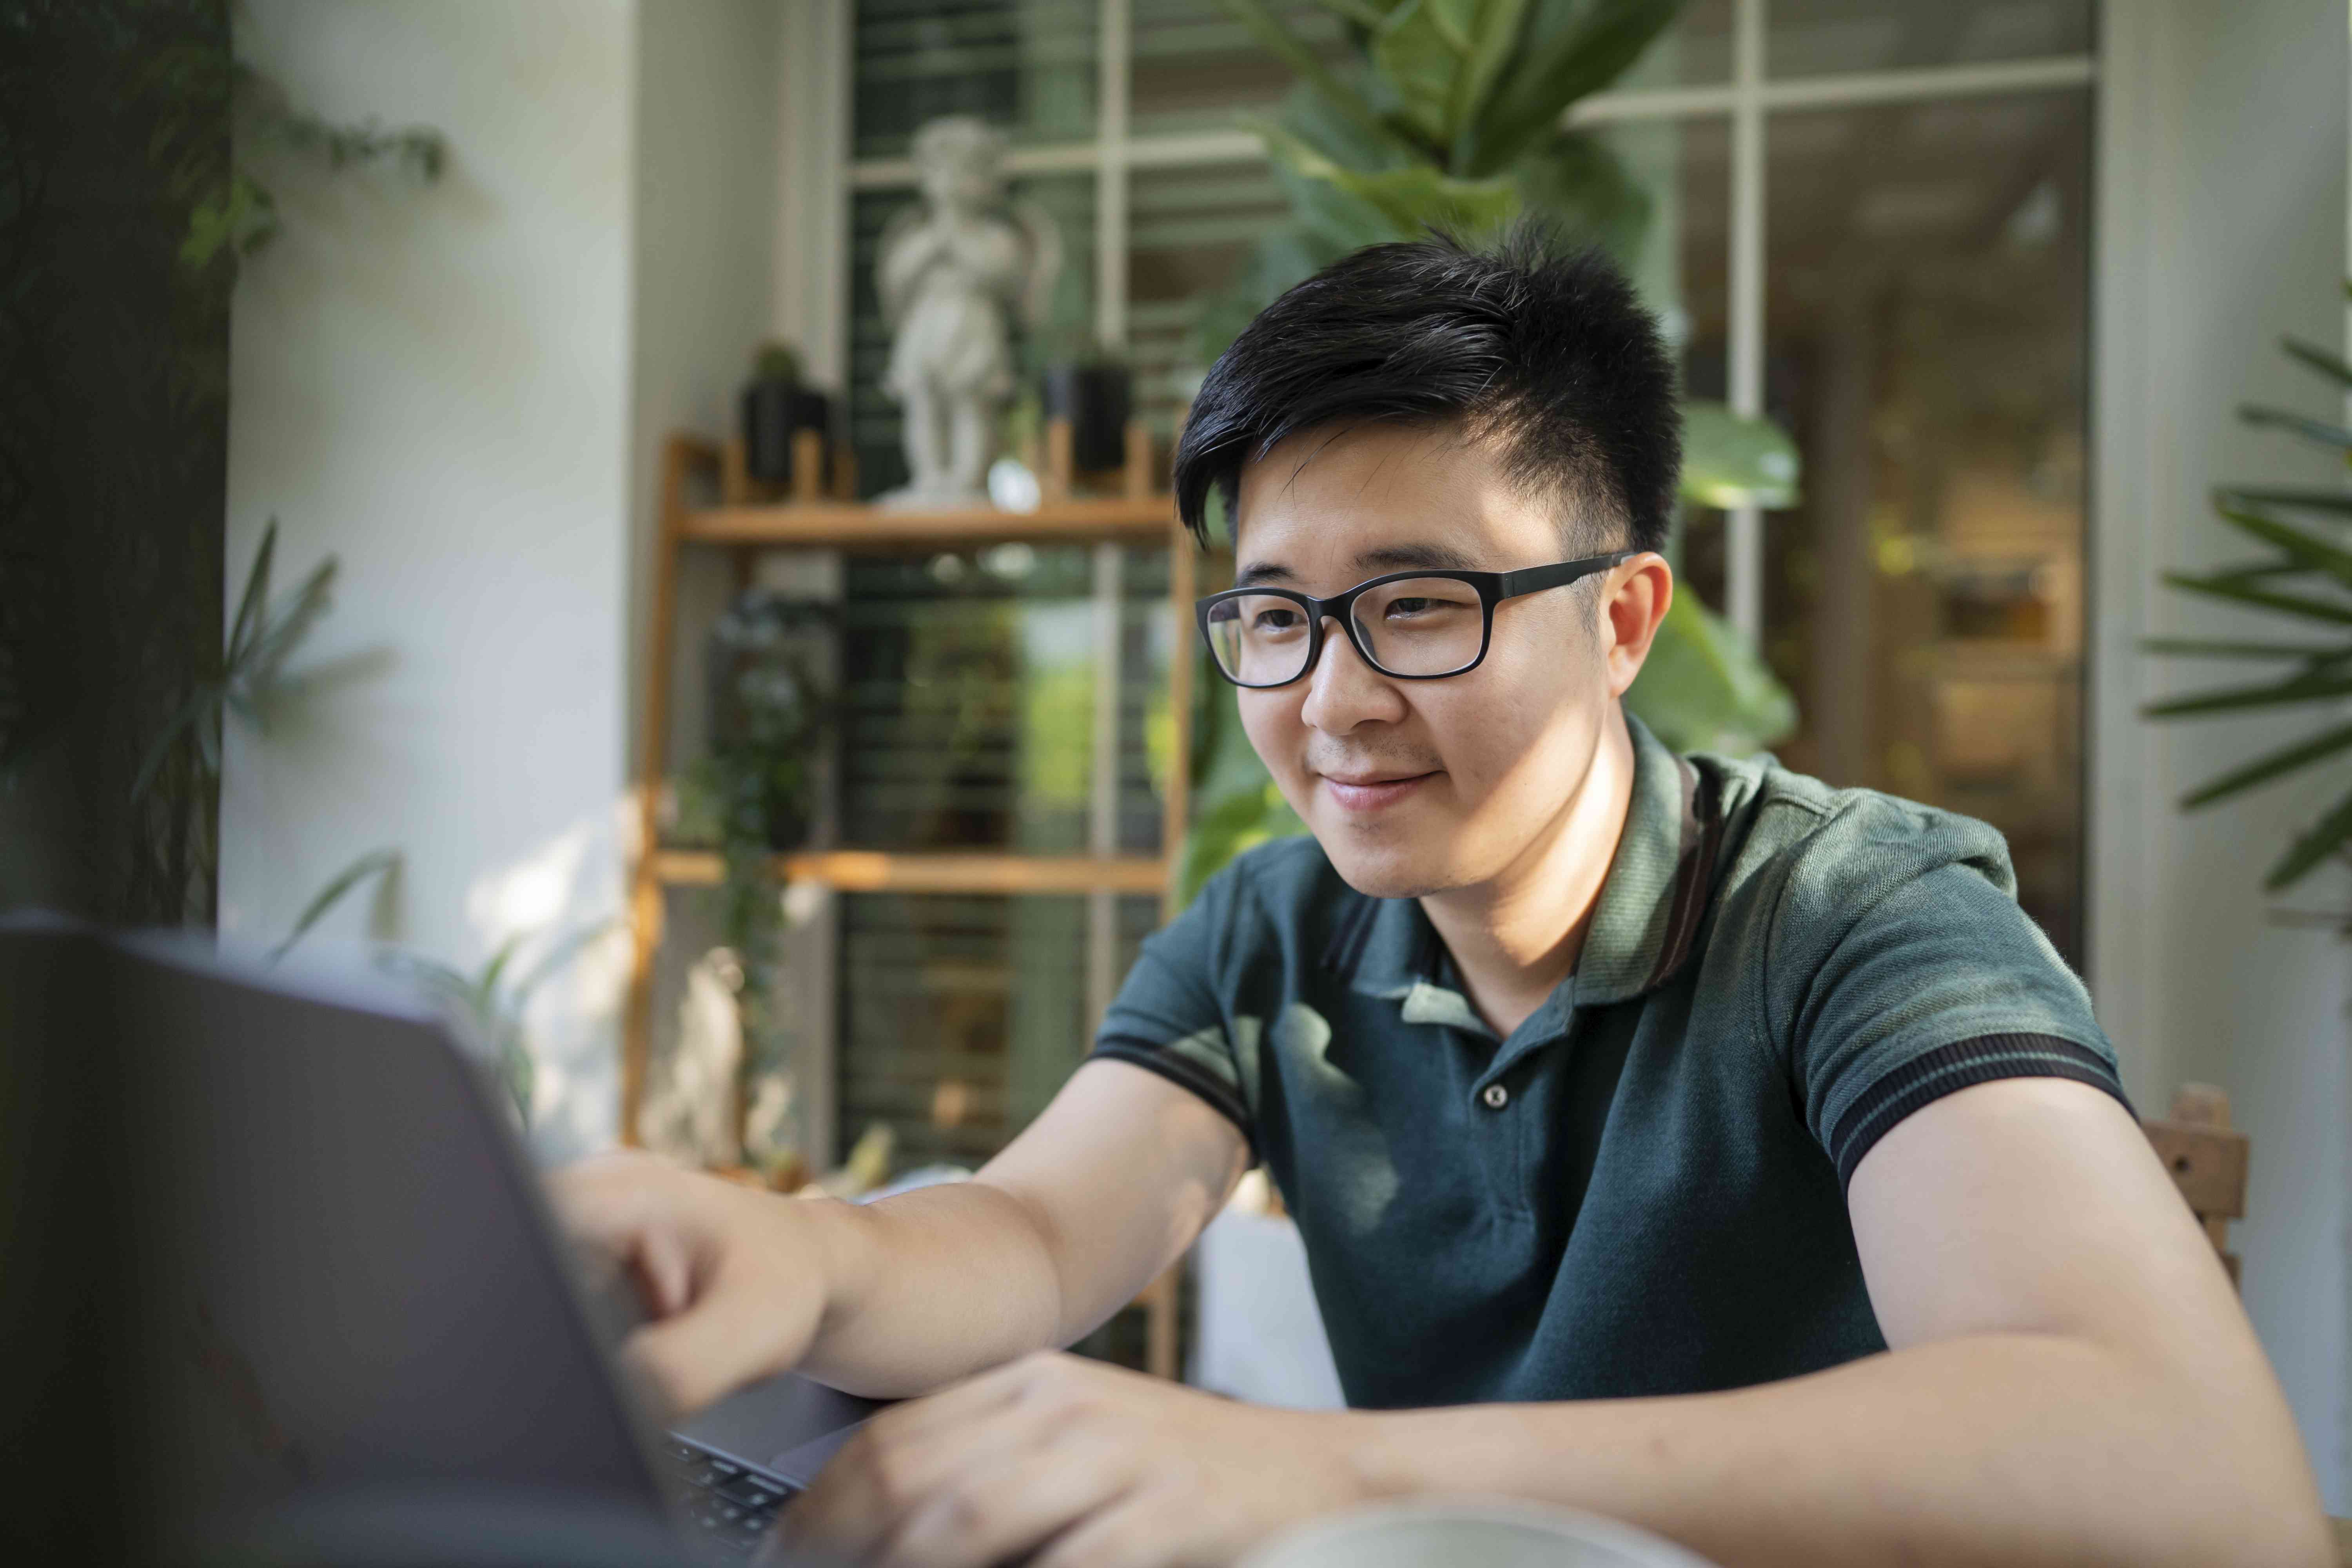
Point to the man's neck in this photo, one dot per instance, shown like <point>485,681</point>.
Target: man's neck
<point>1517,935</point>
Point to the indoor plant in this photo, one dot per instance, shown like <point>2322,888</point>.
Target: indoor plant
<point>2302,582</point>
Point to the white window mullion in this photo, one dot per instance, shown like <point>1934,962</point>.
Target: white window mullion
<point>1112,67</point>
<point>1744,544</point>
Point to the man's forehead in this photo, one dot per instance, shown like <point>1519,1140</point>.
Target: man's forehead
<point>1377,498</point>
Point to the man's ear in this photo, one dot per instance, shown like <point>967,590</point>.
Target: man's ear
<point>1635,596</point>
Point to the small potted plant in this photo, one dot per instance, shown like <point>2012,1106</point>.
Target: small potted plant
<point>776,408</point>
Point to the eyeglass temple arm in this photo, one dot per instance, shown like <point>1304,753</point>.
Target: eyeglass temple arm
<point>1533,578</point>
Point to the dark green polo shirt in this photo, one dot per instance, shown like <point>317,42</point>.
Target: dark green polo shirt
<point>1643,1190</point>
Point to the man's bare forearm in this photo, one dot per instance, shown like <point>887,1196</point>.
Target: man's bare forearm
<point>2014,1448</point>
<point>930,1286</point>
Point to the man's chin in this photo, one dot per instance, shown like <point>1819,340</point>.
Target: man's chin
<point>1385,872</point>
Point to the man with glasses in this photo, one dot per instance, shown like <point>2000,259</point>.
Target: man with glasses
<point>1677,1137</point>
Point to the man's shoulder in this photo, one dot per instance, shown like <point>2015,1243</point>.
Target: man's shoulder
<point>1822,846</point>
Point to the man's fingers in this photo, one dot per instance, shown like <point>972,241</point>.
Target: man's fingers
<point>721,1340</point>
<point>992,1512</point>
<point>903,1458</point>
<point>1135,1531</point>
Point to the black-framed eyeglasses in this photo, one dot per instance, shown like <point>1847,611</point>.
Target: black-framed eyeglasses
<point>1413,626</point>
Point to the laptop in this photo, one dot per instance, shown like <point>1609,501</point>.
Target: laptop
<point>331,1309</point>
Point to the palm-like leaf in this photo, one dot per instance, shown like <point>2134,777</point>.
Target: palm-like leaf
<point>2324,838</point>
<point>2307,550</point>
<point>2318,431</point>
<point>2206,647</point>
<point>2236,588</point>
<point>2290,584</point>
<point>2326,361</point>
<point>2275,765</point>
<point>2335,503</point>
<point>374,863</point>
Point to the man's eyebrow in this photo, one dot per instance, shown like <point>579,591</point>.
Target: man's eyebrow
<point>1404,557</point>
<point>1387,558</point>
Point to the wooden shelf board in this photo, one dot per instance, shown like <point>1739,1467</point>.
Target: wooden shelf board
<point>1146,520</point>
<point>872,870</point>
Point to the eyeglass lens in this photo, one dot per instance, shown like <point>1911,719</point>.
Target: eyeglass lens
<point>1414,626</point>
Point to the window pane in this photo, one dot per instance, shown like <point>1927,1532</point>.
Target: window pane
<point>874,428</point>
<point>1815,38</point>
<point>1926,324</point>
<point>1190,232</point>
<point>1196,69</point>
<point>962,1017</point>
<point>969,690</point>
<point>1027,65</point>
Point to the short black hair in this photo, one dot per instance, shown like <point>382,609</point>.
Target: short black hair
<point>1543,350</point>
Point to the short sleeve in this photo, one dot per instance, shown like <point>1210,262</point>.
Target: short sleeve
<point>1902,970</point>
<point>1168,1017</point>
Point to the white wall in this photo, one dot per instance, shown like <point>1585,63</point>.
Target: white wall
<point>2222,170</point>
<point>459,390</point>
<point>433,385</point>
<point>705,241</point>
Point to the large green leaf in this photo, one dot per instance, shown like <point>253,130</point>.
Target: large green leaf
<point>1577,180</point>
<point>1495,39</point>
<point>2276,764</point>
<point>1703,687</point>
<point>1389,203</point>
<point>1731,460</point>
<point>1571,51</point>
<point>1293,52</point>
<point>2327,837</point>
<point>1418,51</point>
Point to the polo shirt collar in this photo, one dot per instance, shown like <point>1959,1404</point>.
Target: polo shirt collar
<point>1644,925</point>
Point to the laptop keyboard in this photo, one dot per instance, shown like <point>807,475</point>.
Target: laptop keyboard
<point>728,1506</point>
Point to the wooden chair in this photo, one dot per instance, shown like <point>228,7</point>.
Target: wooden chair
<point>2207,1158</point>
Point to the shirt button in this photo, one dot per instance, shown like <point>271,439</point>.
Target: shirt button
<point>1494,1096</point>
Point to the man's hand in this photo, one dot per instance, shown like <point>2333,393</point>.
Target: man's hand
<point>734,1279</point>
<point>1076,1462</point>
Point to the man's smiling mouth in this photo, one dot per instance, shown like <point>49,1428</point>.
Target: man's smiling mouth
<point>1369,791</point>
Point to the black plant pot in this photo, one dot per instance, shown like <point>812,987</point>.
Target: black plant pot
<point>788,827</point>
<point>1095,399</point>
<point>774,411</point>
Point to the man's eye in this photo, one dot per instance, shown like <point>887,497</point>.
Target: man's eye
<point>1276,620</point>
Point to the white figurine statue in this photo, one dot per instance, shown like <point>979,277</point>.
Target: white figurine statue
<point>953,272</point>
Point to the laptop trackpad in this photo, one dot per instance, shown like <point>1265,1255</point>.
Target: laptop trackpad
<point>784,1425</point>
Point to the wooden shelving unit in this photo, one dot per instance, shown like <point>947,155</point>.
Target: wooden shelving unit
<point>745,518</point>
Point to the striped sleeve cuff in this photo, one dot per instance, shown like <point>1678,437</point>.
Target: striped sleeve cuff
<point>1185,1073</point>
<point>1948,1069</point>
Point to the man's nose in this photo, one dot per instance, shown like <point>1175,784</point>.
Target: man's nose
<point>1343,692</point>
